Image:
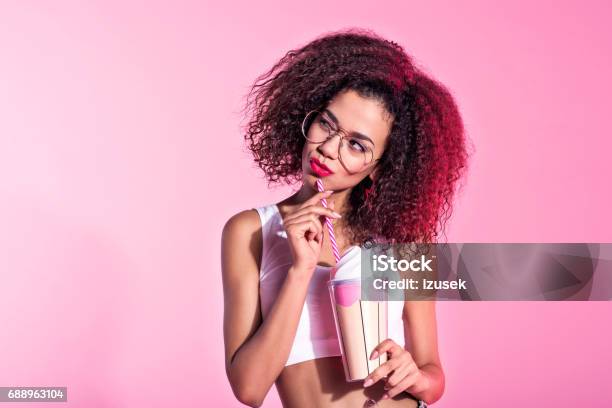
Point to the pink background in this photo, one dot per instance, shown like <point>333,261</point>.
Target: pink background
<point>121,157</point>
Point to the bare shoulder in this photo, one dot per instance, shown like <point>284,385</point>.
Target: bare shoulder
<point>242,235</point>
<point>243,222</point>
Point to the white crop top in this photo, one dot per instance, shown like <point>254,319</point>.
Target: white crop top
<point>316,332</point>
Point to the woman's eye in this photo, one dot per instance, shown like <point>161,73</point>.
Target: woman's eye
<point>356,145</point>
<point>324,123</point>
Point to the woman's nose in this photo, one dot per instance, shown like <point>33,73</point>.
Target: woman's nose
<point>329,148</point>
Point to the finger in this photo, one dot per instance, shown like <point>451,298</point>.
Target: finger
<point>306,218</point>
<point>384,346</point>
<point>313,230</point>
<point>316,209</point>
<point>404,384</point>
<point>310,228</point>
<point>317,197</point>
<point>311,235</point>
<point>382,371</point>
<point>398,375</point>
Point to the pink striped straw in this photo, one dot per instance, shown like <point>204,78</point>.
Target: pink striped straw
<point>330,229</point>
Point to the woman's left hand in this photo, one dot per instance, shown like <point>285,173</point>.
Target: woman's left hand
<point>405,374</point>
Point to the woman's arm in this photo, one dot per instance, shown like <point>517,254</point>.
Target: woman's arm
<point>420,330</point>
<point>255,352</point>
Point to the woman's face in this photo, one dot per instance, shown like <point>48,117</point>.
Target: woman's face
<point>367,126</point>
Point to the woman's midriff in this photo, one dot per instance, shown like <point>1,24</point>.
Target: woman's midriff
<point>321,383</point>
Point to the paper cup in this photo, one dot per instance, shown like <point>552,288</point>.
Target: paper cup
<point>360,324</point>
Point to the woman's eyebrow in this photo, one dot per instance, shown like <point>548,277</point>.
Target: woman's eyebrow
<point>356,134</point>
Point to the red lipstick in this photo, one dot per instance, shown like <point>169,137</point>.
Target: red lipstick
<point>319,168</point>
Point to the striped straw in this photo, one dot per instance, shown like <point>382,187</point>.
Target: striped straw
<point>330,228</point>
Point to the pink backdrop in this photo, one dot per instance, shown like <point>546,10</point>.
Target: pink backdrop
<point>121,158</point>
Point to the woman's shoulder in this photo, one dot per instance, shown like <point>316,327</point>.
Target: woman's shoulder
<point>242,222</point>
<point>250,226</point>
<point>249,221</point>
<point>242,233</point>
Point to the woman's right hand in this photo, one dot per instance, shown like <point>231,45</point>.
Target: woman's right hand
<point>304,227</point>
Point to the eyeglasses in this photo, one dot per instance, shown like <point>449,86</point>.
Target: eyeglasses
<point>355,152</point>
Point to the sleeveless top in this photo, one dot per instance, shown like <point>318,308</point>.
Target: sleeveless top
<point>316,332</point>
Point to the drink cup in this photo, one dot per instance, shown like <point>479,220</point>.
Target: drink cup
<point>360,324</point>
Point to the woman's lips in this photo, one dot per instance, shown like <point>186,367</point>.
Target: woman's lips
<point>319,169</point>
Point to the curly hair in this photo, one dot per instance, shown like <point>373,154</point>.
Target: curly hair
<point>425,155</point>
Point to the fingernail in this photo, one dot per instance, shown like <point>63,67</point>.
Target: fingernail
<point>385,396</point>
<point>329,191</point>
<point>368,382</point>
<point>336,214</point>
<point>374,355</point>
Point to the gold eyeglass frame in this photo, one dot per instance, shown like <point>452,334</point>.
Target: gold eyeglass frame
<point>336,132</point>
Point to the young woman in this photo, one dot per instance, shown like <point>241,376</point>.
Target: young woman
<point>387,140</point>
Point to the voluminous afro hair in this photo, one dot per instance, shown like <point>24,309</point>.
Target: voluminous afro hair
<point>425,156</point>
